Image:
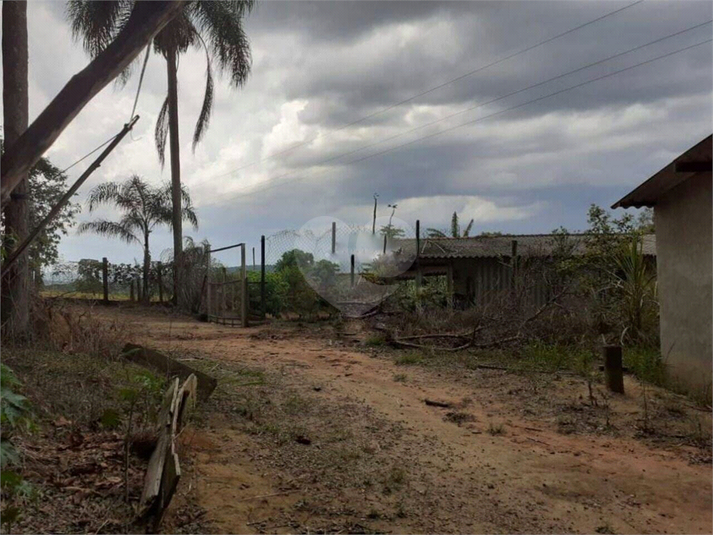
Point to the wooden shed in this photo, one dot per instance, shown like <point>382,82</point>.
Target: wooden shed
<point>480,267</point>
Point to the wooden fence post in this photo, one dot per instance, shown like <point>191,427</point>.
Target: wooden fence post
<point>208,287</point>
<point>105,278</point>
<point>513,263</point>
<point>159,277</point>
<point>262,276</point>
<point>246,297</point>
<point>613,369</point>
<point>419,273</point>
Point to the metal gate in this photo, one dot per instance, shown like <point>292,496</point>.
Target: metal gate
<point>226,295</point>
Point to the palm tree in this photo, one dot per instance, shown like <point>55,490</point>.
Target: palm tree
<point>216,27</point>
<point>143,207</point>
<point>455,229</point>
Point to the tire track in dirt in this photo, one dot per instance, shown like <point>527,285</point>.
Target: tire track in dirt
<point>529,479</point>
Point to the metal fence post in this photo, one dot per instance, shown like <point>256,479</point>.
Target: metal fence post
<point>262,276</point>
<point>244,300</point>
<point>352,271</point>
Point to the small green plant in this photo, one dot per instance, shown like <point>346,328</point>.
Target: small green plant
<point>15,415</point>
<point>375,340</point>
<point>395,479</point>
<point>605,528</point>
<point>496,429</point>
<point>646,363</point>
<point>400,378</point>
<point>409,359</point>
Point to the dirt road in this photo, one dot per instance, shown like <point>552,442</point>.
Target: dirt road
<point>307,433</point>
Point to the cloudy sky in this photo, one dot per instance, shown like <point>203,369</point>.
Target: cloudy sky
<point>515,166</point>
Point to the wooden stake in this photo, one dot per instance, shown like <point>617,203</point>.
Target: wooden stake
<point>613,369</point>
<point>244,300</point>
<point>105,278</point>
<point>513,262</point>
<point>159,276</point>
<point>419,273</point>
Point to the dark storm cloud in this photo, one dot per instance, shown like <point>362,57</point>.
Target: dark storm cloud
<point>321,65</point>
<point>480,34</point>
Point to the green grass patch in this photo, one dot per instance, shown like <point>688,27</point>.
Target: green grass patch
<point>409,359</point>
<point>376,340</point>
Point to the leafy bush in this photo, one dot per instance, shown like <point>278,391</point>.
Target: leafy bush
<point>15,414</point>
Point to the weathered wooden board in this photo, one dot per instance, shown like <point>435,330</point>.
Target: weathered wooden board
<point>154,472</point>
<point>164,364</point>
<point>169,482</point>
<point>187,402</point>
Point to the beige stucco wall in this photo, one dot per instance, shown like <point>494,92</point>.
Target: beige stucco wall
<point>684,258</point>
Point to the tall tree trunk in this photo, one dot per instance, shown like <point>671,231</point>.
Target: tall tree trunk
<point>178,274</point>
<point>16,283</point>
<point>147,266</point>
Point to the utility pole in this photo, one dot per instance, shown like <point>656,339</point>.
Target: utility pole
<point>373,220</point>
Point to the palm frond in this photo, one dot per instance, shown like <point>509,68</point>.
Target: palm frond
<point>435,233</point>
<point>204,117</point>
<point>108,228</point>
<point>96,24</point>
<point>161,132</point>
<point>222,25</point>
<point>104,193</point>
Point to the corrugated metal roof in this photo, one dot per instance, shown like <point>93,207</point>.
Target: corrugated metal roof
<point>667,178</point>
<point>497,246</point>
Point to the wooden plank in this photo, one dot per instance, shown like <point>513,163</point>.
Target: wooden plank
<point>187,401</point>
<point>169,483</point>
<point>165,364</point>
<point>154,472</point>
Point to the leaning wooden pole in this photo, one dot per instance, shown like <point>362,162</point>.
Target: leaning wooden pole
<point>68,195</point>
<point>146,20</point>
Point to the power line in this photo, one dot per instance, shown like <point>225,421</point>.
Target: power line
<point>431,90</point>
<point>86,156</point>
<point>141,81</point>
<point>258,190</point>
